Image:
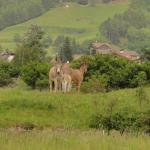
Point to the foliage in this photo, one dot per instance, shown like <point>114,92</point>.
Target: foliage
<point>130,29</point>
<point>121,121</point>
<point>42,83</point>
<point>145,54</point>
<point>95,84</point>
<point>32,47</point>
<point>142,95</point>
<point>120,73</point>
<point>66,50</point>
<point>7,72</point>
<point>35,74</point>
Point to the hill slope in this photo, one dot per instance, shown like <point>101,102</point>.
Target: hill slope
<point>82,22</point>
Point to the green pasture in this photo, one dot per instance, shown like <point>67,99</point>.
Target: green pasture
<point>81,22</point>
<point>45,109</point>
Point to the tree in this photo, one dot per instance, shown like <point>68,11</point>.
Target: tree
<point>35,74</point>
<point>66,50</point>
<point>145,54</point>
<point>32,46</point>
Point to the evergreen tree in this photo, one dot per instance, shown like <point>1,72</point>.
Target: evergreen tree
<point>66,51</point>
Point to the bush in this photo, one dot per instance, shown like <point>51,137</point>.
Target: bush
<point>95,84</point>
<point>42,83</point>
<point>34,73</point>
<point>122,121</point>
<point>5,78</point>
<point>7,72</point>
<point>120,72</point>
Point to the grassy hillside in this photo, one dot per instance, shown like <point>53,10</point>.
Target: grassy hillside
<point>60,110</point>
<point>81,22</point>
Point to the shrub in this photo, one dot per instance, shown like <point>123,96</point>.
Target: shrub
<point>139,80</point>
<point>7,72</point>
<point>95,84</point>
<point>5,78</point>
<point>34,73</point>
<point>122,121</point>
<point>120,73</point>
<point>42,83</point>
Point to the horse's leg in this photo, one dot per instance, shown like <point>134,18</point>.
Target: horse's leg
<point>64,87</point>
<point>50,86</point>
<point>55,85</point>
<point>78,87</point>
<point>69,87</point>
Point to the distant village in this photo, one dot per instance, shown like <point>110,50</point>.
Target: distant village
<point>96,48</point>
<point>105,48</point>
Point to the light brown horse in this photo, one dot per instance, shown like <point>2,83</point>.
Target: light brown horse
<point>77,75</point>
<point>66,82</point>
<point>55,77</point>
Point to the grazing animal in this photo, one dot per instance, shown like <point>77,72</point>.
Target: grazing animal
<point>55,77</point>
<point>66,82</point>
<point>77,75</point>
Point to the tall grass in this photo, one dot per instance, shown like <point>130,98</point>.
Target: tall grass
<point>70,140</point>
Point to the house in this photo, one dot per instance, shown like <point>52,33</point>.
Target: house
<point>7,56</point>
<point>100,48</point>
<point>105,48</point>
<point>130,55</point>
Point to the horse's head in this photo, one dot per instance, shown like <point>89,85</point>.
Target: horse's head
<point>84,67</point>
<point>58,68</point>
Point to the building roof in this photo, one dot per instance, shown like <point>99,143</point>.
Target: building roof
<point>6,56</point>
<point>98,45</point>
<point>130,55</point>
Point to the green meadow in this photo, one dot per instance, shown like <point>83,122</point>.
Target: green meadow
<point>80,22</point>
<point>61,121</point>
<point>50,110</point>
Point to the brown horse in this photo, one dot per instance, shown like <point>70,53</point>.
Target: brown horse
<point>77,75</point>
<point>55,77</point>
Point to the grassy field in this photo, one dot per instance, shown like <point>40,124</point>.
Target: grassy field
<point>62,120</point>
<point>42,109</point>
<point>70,140</point>
<point>81,22</point>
